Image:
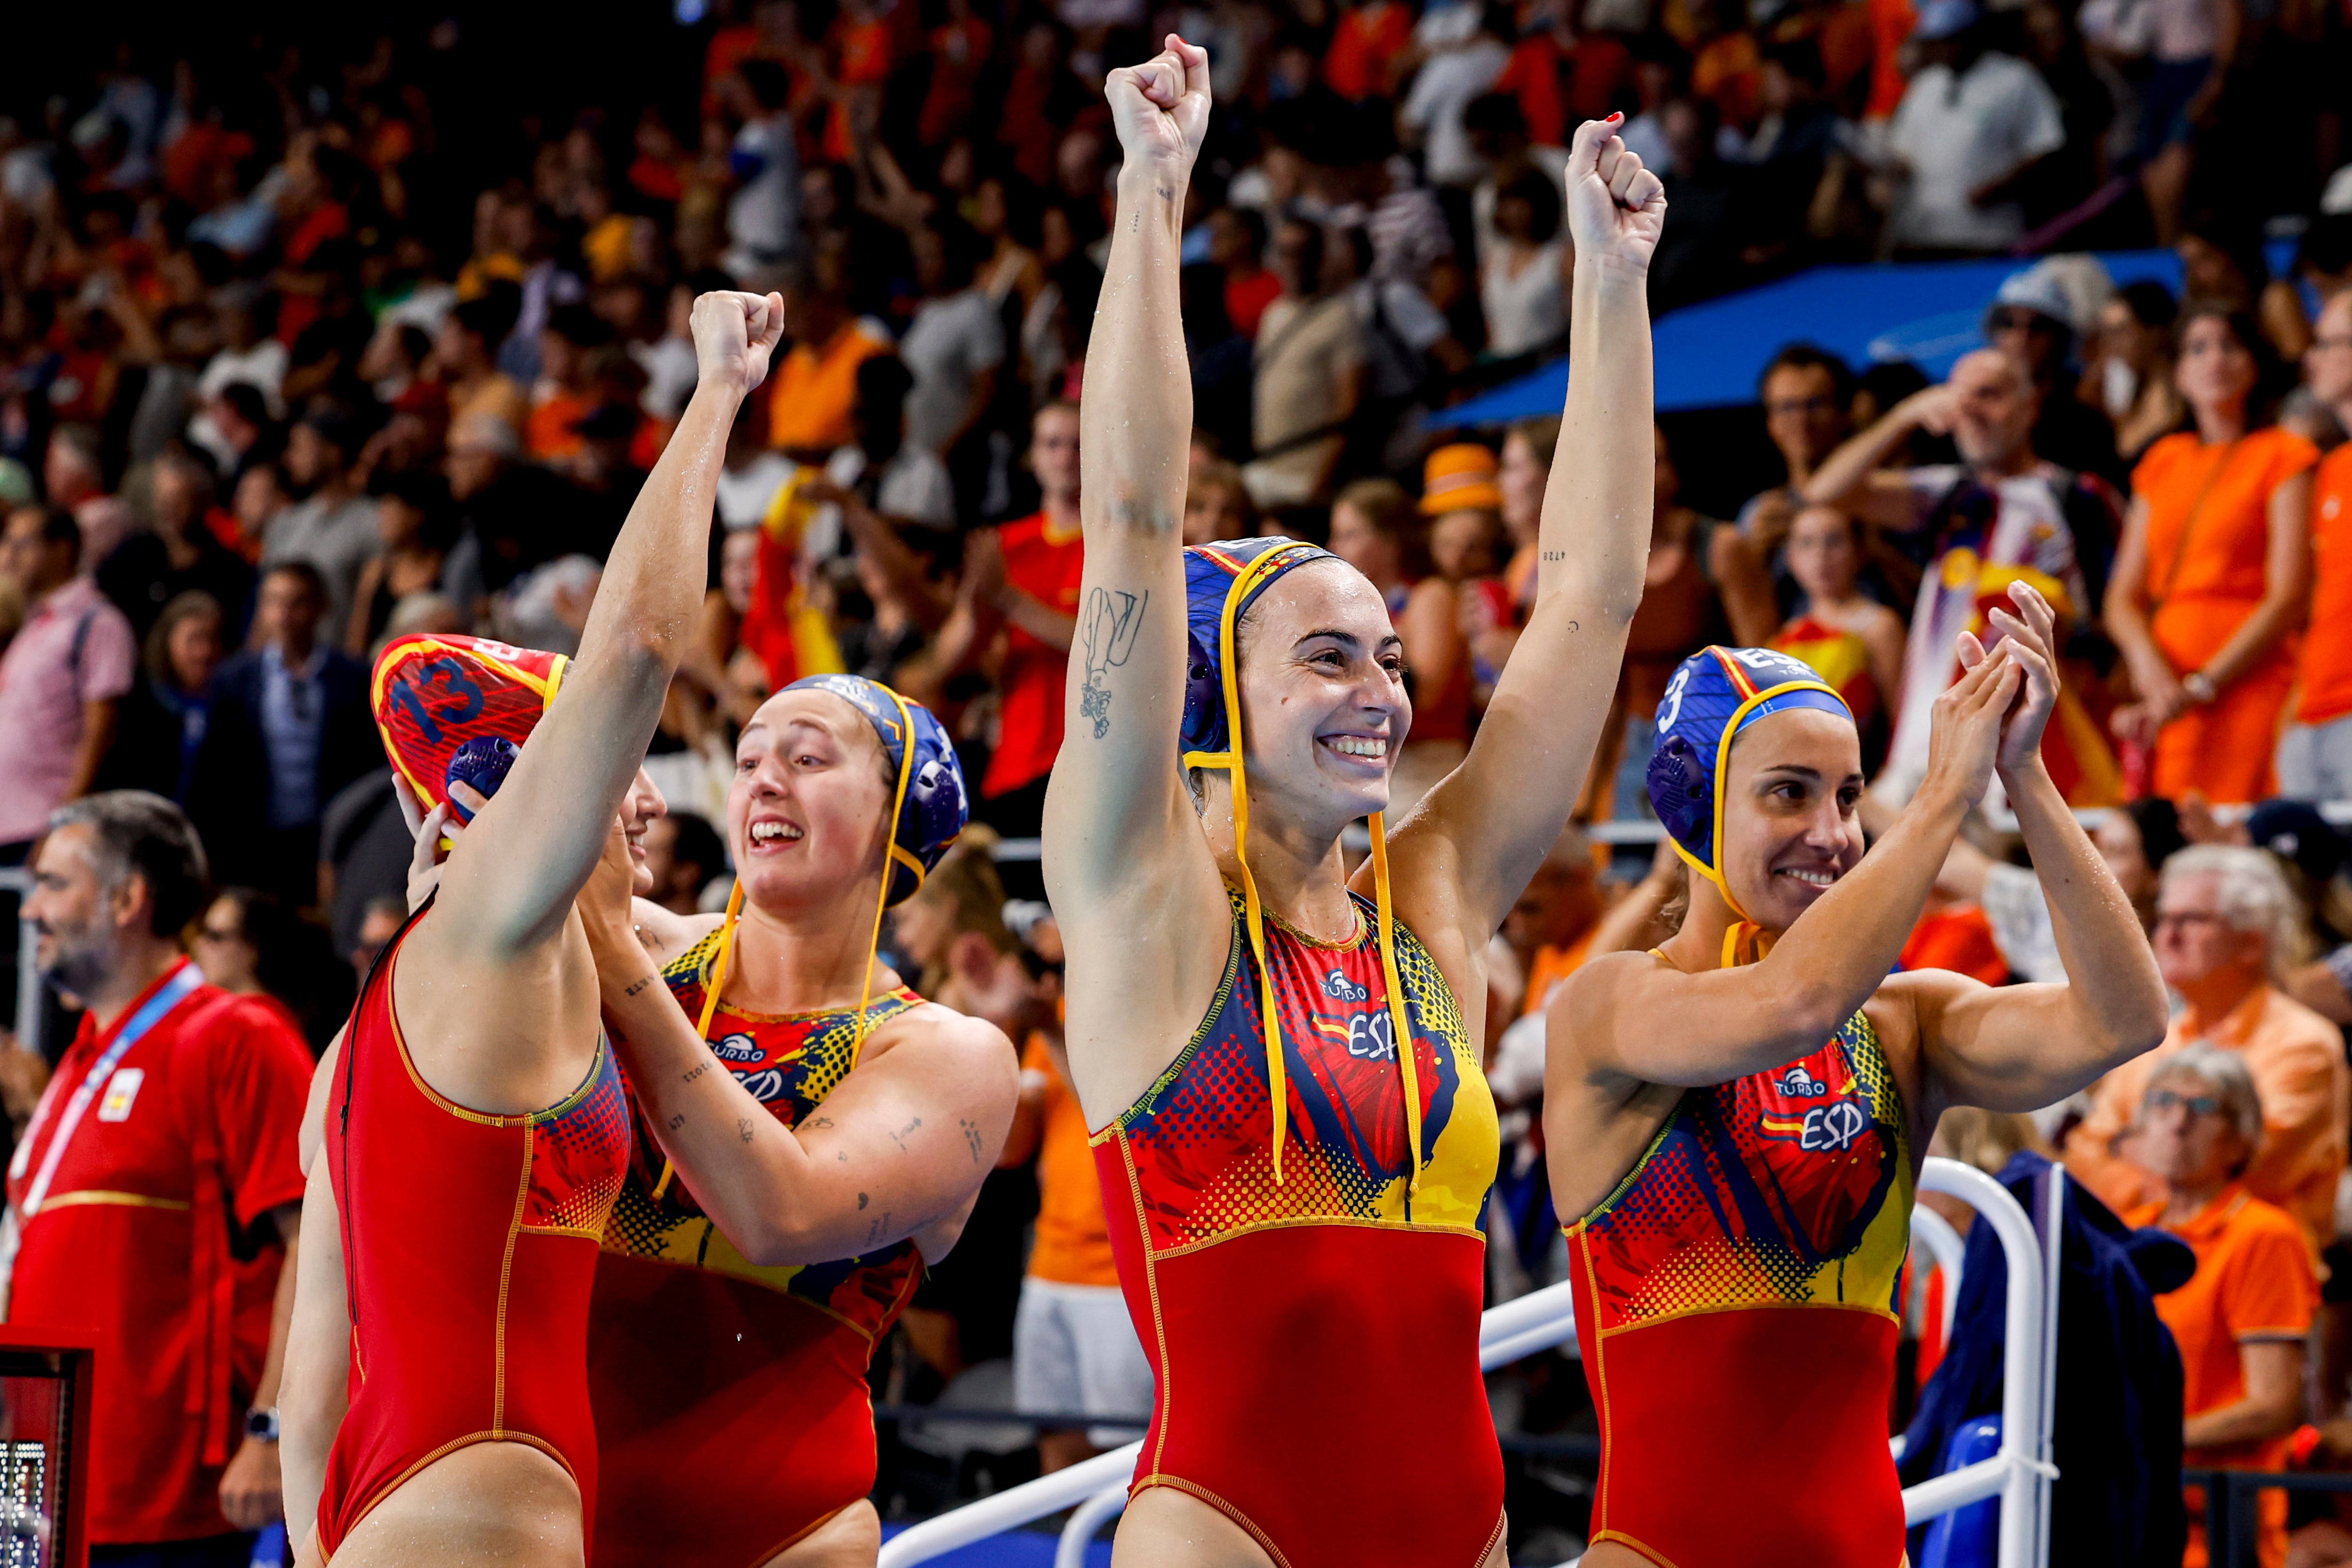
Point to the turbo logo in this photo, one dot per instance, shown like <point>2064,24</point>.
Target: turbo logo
<point>736,1048</point>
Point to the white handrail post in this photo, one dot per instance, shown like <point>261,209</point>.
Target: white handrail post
<point>2054,1242</point>
<point>1090,1517</point>
<point>1935,1232</point>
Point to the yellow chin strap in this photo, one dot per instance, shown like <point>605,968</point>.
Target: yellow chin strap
<point>1231,762</point>
<point>1745,933</point>
<point>873,942</point>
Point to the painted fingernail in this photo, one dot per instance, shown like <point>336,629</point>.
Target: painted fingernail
<point>1614,118</point>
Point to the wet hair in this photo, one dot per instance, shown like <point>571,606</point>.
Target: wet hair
<point>137,833</point>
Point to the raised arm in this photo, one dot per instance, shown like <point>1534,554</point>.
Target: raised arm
<point>1628,1019</point>
<point>519,867</point>
<point>1853,477</point>
<point>2020,1048</point>
<point>1117,803</point>
<point>901,1145</point>
<point>1464,856</point>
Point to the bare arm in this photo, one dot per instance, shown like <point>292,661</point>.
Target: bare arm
<point>2272,1402</point>
<point>1630,1019</point>
<point>251,1488</point>
<point>2154,680</point>
<point>1465,854</point>
<point>1853,476</point>
<point>311,1393</point>
<point>534,845</point>
<point>1745,586</point>
<point>903,1143</point>
<point>1117,815</point>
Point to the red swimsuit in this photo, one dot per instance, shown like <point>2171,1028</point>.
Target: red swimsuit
<point>1736,1304</point>
<point>469,1244</point>
<point>731,1407</point>
<point>1315,1343</point>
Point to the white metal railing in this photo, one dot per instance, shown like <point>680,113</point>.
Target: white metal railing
<point>1932,1231</point>
<point>19,880</point>
<point>2019,1474</point>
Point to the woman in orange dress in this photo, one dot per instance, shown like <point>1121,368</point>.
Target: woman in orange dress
<point>2208,590</point>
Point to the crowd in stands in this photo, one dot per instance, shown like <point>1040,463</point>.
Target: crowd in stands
<point>290,370</point>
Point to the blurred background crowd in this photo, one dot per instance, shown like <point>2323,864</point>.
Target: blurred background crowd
<point>313,335</point>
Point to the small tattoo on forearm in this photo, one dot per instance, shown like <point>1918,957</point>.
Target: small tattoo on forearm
<point>972,1138</point>
<point>635,987</point>
<point>1554,555</point>
<point>1167,192</point>
<point>900,1137</point>
<point>861,1200</point>
<point>821,1122</point>
<point>1111,638</point>
<point>744,1128</point>
<point>675,1122</point>
<point>690,1074</point>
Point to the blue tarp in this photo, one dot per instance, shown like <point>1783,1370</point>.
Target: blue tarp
<point>1709,354</point>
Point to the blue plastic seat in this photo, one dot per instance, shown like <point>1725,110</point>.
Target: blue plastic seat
<point>1966,1537</point>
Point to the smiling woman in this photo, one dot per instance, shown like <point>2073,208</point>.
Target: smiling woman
<point>1282,1067</point>
<point>1763,1060</point>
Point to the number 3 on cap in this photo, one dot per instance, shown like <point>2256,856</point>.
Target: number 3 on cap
<point>1674,699</point>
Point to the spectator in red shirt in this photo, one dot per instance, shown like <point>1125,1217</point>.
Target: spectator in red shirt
<point>1025,579</point>
<point>162,1149</point>
<point>1237,246</point>
<point>1364,47</point>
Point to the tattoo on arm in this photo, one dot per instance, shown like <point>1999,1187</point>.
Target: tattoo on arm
<point>636,986</point>
<point>1111,638</point>
<point>900,1137</point>
<point>694,1072</point>
<point>972,1138</point>
<point>744,1128</point>
<point>861,1200</point>
<point>675,1122</point>
<point>821,1122</point>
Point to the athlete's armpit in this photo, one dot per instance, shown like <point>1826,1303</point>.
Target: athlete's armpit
<point>1112,620</point>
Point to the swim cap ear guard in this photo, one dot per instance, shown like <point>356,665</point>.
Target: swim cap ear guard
<point>1714,694</point>
<point>928,809</point>
<point>1222,581</point>
<point>452,707</point>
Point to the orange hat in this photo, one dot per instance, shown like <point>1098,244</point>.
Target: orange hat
<point>1458,479</point>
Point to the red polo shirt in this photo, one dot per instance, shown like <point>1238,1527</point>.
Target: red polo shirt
<point>1044,566</point>
<point>133,1247</point>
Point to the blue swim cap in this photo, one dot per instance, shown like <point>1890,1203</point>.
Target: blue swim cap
<point>932,807</point>
<point>1211,574</point>
<point>1716,694</point>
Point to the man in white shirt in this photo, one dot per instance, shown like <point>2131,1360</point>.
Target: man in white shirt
<point>763,216</point>
<point>1464,61</point>
<point>1971,122</point>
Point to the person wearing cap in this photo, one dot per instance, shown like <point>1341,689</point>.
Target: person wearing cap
<point>1999,515</point>
<point>2314,754</point>
<point>438,1359</point>
<point>1282,1071</point>
<point>2227,926</point>
<point>779,1214</point>
<point>1734,1119</point>
<point>2032,319</point>
<point>1971,123</point>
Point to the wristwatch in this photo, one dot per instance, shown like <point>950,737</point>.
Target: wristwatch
<point>261,1426</point>
<point>2199,685</point>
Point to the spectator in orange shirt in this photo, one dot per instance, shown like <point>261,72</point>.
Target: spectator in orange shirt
<point>1074,1347</point>
<point>817,390</point>
<point>1023,579</point>
<point>2210,580</point>
<point>2225,930</point>
<point>1364,47</point>
<point>2314,756</point>
<point>2242,1318</point>
<point>561,401</point>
